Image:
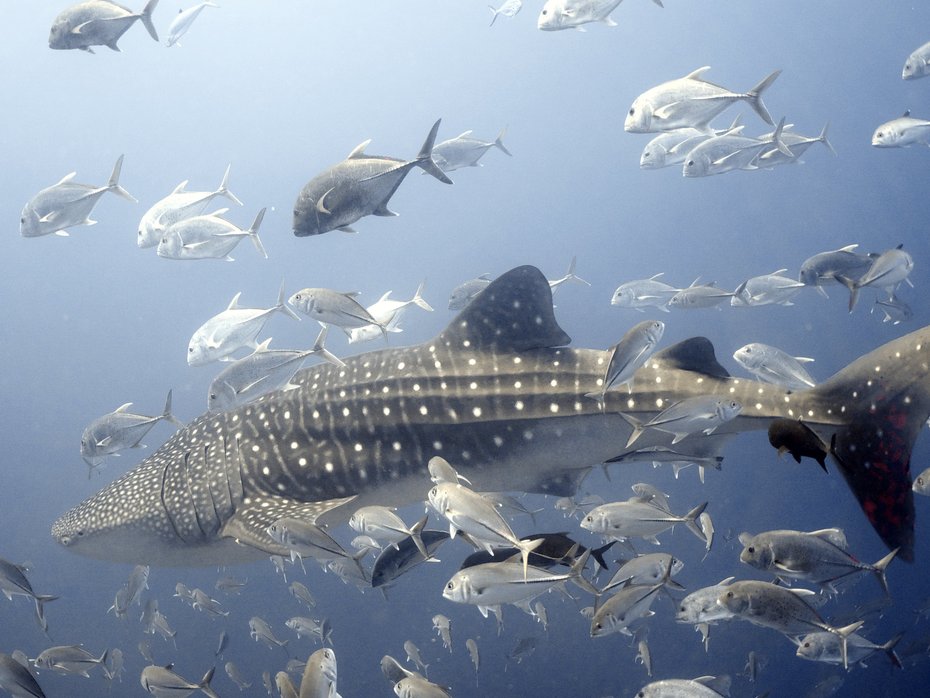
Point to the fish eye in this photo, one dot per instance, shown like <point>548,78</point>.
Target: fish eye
<point>190,350</point>
<point>729,594</point>
<point>450,586</point>
<point>690,163</point>
<point>751,548</point>
<point>807,644</point>
<point>632,111</point>
<point>545,12</point>
<point>879,134</point>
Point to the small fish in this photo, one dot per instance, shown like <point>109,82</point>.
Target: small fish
<point>627,606</point>
<point>261,372</point>
<point>699,296</point>
<point>509,8</point>
<point>137,582</point>
<point>181,591</point>
<point>70,659</point>
<point>818,557</point>
<point>644,293</point>
<point>391,563</point>
<point>182,22</point>
<point>707,528</point>
<point>145,649</point>
<point>305,539</point>
<point>644,657</point>
<point>231,330</point>
<point>827,647</point>
<point>888,270</point>
<point>466,292</point>
<point>690,102</point>
<point>635,518</point>
<point>557,15</point>
<point>775,366</point>
<point>306,627</point>
<point>387,313</point>
<point>413,655</point>
<point>894,310</point>
<point>443,626</point>
<point>119,430</point>
<point>524,648</point>
<point>628,355</point>
<point>334,308</point>
<point>113,667</point>
<point>465,150</point>
<point>97,23</point>
<point>732,151</point>
<point>653,568</point>
<point>160,625</point>
<point>147,619</point>
<point>797,145</point>
<point>570,275</point>
<point>208,237</point>
<point>67,204</point>
<point>13,582</point>
<point>795,437</point>
<point>162,682</point>
<point>221,643</point>
<point>542,616</point>
<point>232,671</point>
<point>302,593</point>
<point>16,679</point>
<point>383,524</point>
<point>831,265</point>
<point>177,206</point>
<point>917,64</point>
<point>230,585</point>
<point>902,132</point>
<point>285,686</point>
<point>441,471</point>
<point>701,413</point>
<point>393,670</point>
<point>472,647</point>
<point>203,602</point>
<point>768,289</point>
<point>260,631</point>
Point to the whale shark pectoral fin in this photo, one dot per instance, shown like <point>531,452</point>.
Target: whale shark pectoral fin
<point>695,354</point>
<point>249,524</point>
<point>563,484</point>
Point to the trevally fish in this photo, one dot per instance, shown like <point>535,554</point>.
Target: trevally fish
<point>500,394</point>
<point>320,675</point>
<point>235,675</point>
<point>231,330</point>
<point>387,313</point>
<point>796,143</point>
<point>465,151</point>
<point>571,14</point>
<point>177,206</point>
<point>690,102</point>
<point>644,293</point>
<point>16,679</point>
<point>472,648</point>
<point>182,22</point>
<point>119,430</point>
<point>570,275</point>
<point>767,289</point>
<point>699,296</point>
<point>466,292</point>
<point>208,237</point>
<point>628,355</point>
<point>13,582</point>
<point>97,23</point>
<point>701,687</point>
<point>443,626</point>
<point>917,64</point>
<point>67,204</point>
<point>417,687</point>
<point>826,647</point>
<point>509,8</point>
<point>831,265</point>
<point>359,186</point>
<point>330,307</point>
<point>70,659</point>
<point>162,682</point>
<point>773,365</point>
<point>393,562</point>
<point>260,372</point>
<point>888,270</point>
<point>902,132</point>
<point>672,147</point>
<point>731,151</point>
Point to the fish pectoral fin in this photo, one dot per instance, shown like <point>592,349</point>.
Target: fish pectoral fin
<point>249,524</point>
<point>787,569</point>
<point>83,25</point>
<point>667,110</point>
<point>347,229</point>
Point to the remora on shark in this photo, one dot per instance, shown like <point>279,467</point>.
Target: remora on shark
<point>500,395</point>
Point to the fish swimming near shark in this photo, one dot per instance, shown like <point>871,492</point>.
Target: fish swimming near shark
<point>500,394</point>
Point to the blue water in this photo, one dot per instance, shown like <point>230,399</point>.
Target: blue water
<point>282,90</point>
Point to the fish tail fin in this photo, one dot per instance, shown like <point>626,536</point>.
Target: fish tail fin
<point>878,569</point>
<point>324,353</point>
<point>418,299</point>
<point>499,142</point>
<point>223,189</point>
<point>113,184</point>
<point>282,306</point>
<point>823,138</point>
<point>415,532</point>
<point>204,684</point>
<point>577,577</point>
<point>146,18</point>
<point>853,288</point>
<point>102,661</point>
<point>424,159</point>
<point>167,414</point>
<point>883,399</point>
<point>637,428</point>
<point>691,521</point>
<point>598,554</point>
<point>253,234</point>
<point>888,649</point>
<point>526,547</point>
<point>494,14</point>
<point>572,276</point>
<point>779,143</point>
<point>754,96</point>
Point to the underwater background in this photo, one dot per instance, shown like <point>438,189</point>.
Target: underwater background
<point>283,90</point>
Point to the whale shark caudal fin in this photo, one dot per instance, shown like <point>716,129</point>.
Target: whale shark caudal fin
<point>883,400</point>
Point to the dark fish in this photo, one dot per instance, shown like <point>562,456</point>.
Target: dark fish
<point>393,562</point>
<point>556,549</point>
<point>795,437</point>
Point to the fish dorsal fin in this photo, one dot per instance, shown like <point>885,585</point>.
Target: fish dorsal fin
<point>234,303</point>
<point>907,112</point>
<point>263,346</point>
<point>745,538</point>
<point>514,313</point>
<point>359,151</point>
<point>463,134</point>
<point>67,178</point>
<point>178,189</point>
<point>832,535</point>
<point>384,297</point>
<point>123,407</point>
<point>249,525</point>
<point>656,276</point>
<point>697,74</point>
<point>694,354</point>
<point>719,684</point>
<point>849,248</point>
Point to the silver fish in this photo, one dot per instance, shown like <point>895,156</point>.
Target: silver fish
<point>182,23</point>
<point>387,313</point>
<point>888,270</point>
<point>917,64</point>
<point>569,276</point>
<point>13,582</point>
<point>775,366</point>
<point>701,687</point>
<point>300,592</point>
<point>902,132</point>
<point>644,293</point>
<point>922,483</point>
<point>443,626</point>
<point>472,648</point>
<point>499,394</point>
<point>162,682</point>
<point>466,292</point>
<point>628,355</point>
<point>16,679</point>
<point>231,330</point>
<point>643,656</point>
<point>260,631</point>
<point>232,671</point>
<point>831,265</point>
<point>699,296</point>
<point>768,289</point>
<point>699,413</point>
<point>557,15</point>
<point>465,150</point>
<point>208,237</point>
<point>730,152</point>
<point>359,186</point>
<point>334,308</point>
<point>382,523</point>
<point>796,144</point>
<point>70,659</point>
<point>320,675</point>
<point>653,568</point>
<point>97,23</point>
<point>827,647</point>
<point>627,606</point>
<point>418,687</point>
<point>635,518</point>
<point>118,430</point>
<point>203,602</point>
<point>509,8</point>
<point>690,102</point>
<point>413,655</point>
<point>67,204</point>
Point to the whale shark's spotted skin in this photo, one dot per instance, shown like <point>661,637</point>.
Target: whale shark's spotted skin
<point>499,395</point>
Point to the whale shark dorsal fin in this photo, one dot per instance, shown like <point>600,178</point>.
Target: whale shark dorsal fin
<point>249,525</point>
<point>514,313</point>
<point>695,354</point>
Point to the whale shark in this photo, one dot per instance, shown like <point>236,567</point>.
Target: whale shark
<point>501,395</point>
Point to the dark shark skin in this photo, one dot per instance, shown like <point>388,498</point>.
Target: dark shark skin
<point>501,397</point>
